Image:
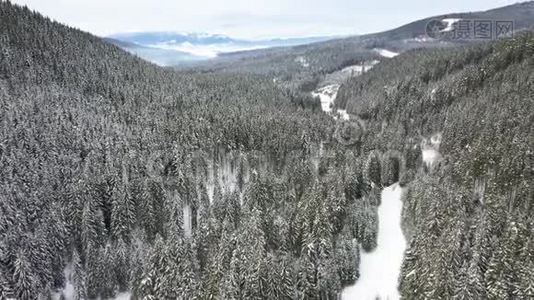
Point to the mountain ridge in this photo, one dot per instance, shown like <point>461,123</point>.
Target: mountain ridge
<point>402,38</point>
<point>198,46</point>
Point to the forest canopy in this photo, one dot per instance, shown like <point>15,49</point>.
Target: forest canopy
<point>120,176</point>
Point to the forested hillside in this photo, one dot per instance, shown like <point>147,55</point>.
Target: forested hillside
<point>470,217</point>
<point>120,176</point>
<point>307,64</point>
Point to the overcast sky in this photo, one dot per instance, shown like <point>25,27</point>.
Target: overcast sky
<point>249,18</point>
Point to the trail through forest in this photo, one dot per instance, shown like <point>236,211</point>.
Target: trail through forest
<point>380,269</point>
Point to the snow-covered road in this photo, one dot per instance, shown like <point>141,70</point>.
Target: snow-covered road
<point>380,269</point>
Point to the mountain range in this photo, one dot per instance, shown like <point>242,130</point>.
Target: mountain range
<point>170,48</point>
<point>179,49</point>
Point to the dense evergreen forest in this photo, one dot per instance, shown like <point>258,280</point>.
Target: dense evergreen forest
<point>120,176</point>
<point>470,218</point>
<point>102,155</point>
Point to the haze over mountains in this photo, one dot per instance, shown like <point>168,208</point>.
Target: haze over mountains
<point>168,48</point>
<point>174,49</point>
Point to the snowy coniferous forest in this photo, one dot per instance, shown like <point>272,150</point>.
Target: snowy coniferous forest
<point>119,178</point>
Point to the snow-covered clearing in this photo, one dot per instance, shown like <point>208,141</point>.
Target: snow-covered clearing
<point>430,150</point>
<point>327,95</point>
<point>302,61</point>
<point>343,114</point>
<point>386,53</point>
<point>380,269</point>
<point>327,92</point>
<point>359,69</point>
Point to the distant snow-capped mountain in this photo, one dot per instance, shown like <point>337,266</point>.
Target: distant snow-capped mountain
<point>154,38</point>
<point>169,48</point>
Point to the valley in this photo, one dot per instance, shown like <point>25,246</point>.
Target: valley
<point>387,165</point>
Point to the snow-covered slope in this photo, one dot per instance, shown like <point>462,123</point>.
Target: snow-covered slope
<point>327,95</point>
<point>386,53</point>
<point>356,70</point>
<point>327,92</point>
<point>380,269</point>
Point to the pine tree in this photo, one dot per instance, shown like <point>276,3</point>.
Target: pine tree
<point>525,287</point>
<point>390,172</point>
<point>369,229</point>
<point>122,209</point>
<point>148,280</point>
<point>25,282</point>
<point>373,169</point>
<point>92,226</point>
<point>347,254</point>
<point>78,277</point>
<point>247,273</point>
<point>146,211</point>
<point>204,204</point>
<point>122,266</point>
<point>462,289</point>
<point>497,276</point>
<point>5,286</point>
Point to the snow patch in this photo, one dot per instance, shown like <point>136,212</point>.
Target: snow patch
<point>123,296</point>
<point>327,95</point>
<point>359,69</point>
<point>386,53</point>
<point>480,190</point>
<point>222,171</point>
<point>68,291</point>
<point>430,157</point>
<point>420,39</point>
<point>187,220</point>
<point>303,61</point>
<point>435,140</point>
<point>380,269</point>
<point>343,114</point>
<point>430,150</point>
